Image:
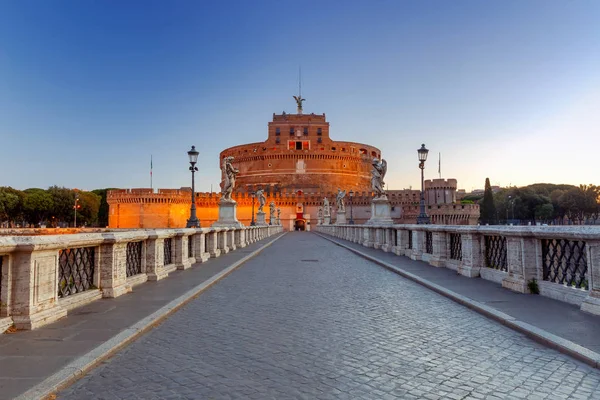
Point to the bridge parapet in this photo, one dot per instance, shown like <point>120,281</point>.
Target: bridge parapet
<point>558,262</point>
<point>43,277</point>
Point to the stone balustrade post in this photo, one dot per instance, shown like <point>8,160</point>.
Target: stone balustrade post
<point>369,237</point>
<point>213,240</point>
<point>388,239</point>
<point>402,238</point>
<point>472,256</point>
<point>155,256</point>
<point>113,268</point>
<point>240,239</point>
<point>180,250</point>
<point>34,301</point>
<point>418,242</point>
<point>231,239</point>
<point>591,303</point>
<point>522,262</point>
<point>440,249</point>
<point>200,248</point>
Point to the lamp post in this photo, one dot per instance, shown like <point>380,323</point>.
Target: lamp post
<point>423,218</point>
<point>193,221</point>
<point>75,207</point>
<point>351,194</point>
<point>253,194</point>
<point>507,205</point>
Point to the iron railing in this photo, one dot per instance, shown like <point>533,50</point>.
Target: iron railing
<point>133,258</point>
<point>456,246</point>
<point>75,270</point>
<point>565,262</point>
<point>1,275</point>
<point>190,247</point>
<point>168,253</point>
<point>429,242</point>
<point>410,240</point>
<point>495,252</point>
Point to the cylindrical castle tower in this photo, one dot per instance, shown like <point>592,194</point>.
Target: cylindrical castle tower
<point>299,154</point>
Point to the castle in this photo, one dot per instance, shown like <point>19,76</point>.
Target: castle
<point>297,166</point>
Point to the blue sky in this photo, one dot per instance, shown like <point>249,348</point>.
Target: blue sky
<point>503,89</point>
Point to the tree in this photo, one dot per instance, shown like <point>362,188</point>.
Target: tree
<point>11,203</point>
<point>488,208</point>
<point>88,213</point>
<point>37,205</point>
<point>63,200</point>
<point>544,212</point>
<point>103,211</point>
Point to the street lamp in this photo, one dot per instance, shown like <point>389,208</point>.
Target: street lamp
<point>423,218</point>
<point>75,207</point>
<point>507,205</point>
<point>193,221</point>
<point>351,194</point>
<point>253,194</point>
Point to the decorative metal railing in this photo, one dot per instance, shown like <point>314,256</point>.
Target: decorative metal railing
<point>168,253</point>
<point>565,262</point>
<point>75,270</point>
<point>190,247</point>
<point>1,275</point>
<point>205,243</point>
<point>133,259</point>
<point>495,252</point>
<point>429,242</point>
<point>410,240</point>
<point>456,246</point>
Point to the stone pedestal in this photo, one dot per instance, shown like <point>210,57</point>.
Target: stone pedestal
<point>340,218</point>
<point>227,215</point>
<point>327,220</point>
<point>381,212</point>
<point>320,221</point>
<point>260,219</point>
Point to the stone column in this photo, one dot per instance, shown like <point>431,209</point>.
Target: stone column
<point>180,251</point>
<point>402,247</point>
<point>522,263</point>
<point>213,241</point>
<point>200,250</point>
<point>472,259</point>
<point>388,239</point>
<point>113,268</point>
<point>591,303</point>
<point>440,249</point>
<point>34,288</point>
<point>418,242</point>
<point>155,256</point>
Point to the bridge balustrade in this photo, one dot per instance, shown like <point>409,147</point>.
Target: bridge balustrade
<point>558,262</point>
<point>43,277</point>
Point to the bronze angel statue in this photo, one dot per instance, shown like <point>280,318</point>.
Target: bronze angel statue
<point>229,173</point>
<point>299,101</point>
<point>377,175</point>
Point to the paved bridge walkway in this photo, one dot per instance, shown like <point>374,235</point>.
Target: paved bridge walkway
<point>308,319</point>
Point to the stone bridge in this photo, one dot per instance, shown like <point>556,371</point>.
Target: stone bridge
<point>348,312</point>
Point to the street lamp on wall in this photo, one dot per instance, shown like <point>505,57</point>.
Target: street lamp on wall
<point>193,221</point>
<point>423,218</point>
<point>351,194</point>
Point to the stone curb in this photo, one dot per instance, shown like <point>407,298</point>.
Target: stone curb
<point>81,366</point>
<point>539,335</point>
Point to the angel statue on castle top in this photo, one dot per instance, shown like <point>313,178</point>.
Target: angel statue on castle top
<point>299,101</point>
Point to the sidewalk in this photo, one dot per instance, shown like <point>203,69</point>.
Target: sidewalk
<point>28,358</point>
<point>549,321</point>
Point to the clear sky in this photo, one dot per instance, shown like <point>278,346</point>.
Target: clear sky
<point>503,89</point>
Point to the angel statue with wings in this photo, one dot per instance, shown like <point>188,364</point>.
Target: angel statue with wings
<point>339,200</point>
<point>326,211</point>
<point>299,101</point>
<point>377,175</point>
<point>229,173</point>
<point>260,194</point>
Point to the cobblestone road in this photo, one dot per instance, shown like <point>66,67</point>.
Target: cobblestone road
<point>307,319</point>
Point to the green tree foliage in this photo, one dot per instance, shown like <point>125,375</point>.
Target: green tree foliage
<point>64,201</point>
<point>488,208</point>
<point>37,205</point>
<point>11,204</point>
<point>544,212</point>
<point>103,211</point>
<point>88,213</point>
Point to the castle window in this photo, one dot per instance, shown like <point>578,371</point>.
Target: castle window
<point>374,154</point>
<point>291,131</point>
<point>319,132</point>
<point>343,149</point>
<point>333,149</point>
<point>319,140</point>
<point>305,131</point>
<point>363,151</point>
<point>277,131</point>
<point>298,145</point>
<point>277,140</point>
<point>306,145</point>
<point>270,165</point>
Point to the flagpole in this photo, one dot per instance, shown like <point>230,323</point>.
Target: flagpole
<point>151,187</point>
<point>440,165</point>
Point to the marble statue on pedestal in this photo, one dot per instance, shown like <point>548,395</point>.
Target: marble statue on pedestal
<point>339,199</point>
<point>272,213</point>
<point>228,206</point>
<point>326,212</point>
<point>377,175</point>
<point>320,216</point>
<point>260,195</point>
<point>381,210</point>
